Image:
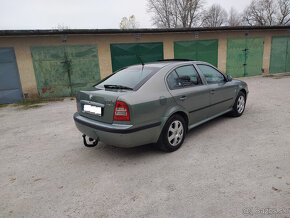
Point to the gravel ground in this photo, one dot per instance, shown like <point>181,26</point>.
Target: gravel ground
<point>229,167</point>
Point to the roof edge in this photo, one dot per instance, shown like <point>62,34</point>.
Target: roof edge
<point>146,30</point>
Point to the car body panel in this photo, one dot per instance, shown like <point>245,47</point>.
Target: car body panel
<point>118,135</point>
<point>221,97</point>
<point>151,105</point>
<point>195,100</point>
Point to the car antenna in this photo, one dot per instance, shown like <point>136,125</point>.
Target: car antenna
<point>140,59</point>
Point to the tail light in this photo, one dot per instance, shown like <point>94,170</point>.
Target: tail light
<point>121,112</point>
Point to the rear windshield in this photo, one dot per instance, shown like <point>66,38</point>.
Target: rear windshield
<point>133,77</point>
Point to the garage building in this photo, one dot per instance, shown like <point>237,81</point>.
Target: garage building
<point>57,63</point>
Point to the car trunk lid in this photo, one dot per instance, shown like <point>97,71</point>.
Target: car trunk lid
<point>104,98</point>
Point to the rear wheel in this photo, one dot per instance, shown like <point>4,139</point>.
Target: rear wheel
<point>239,106</point>
<point>173,134</point>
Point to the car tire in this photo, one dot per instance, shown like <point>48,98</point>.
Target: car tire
<point>173,134</point>
<point>239,106</point>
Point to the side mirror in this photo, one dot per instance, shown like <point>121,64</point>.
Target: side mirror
<point>229,78</point>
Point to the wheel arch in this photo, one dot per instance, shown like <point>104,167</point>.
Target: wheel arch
<point>173,111</point>
<point>160,141</point>
<point>244,91</point>
<point>184,116</point>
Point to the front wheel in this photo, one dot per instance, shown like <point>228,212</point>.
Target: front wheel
<point>173,134</point>
<point>239,106</point>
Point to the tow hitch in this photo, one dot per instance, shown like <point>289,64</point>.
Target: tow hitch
<point>94,141</point>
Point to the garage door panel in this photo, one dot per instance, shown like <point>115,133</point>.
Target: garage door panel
<point>63,70</point>
<point>236,44</point>
<point>186,55</point>
<point>5,96</point>
<point>211,45</point>
<point>288,56</point>
<point>235,71</point>
<point>10,86</point>
<point>51,73</point>
<point>83,65</point>
<point>127,54</point>
<point>52,79</point>
<point>48,53</point>
<point>55,91</point>
<point>207,56</point>
<point>7,55</point>
<point>81,51</point>
<point>149,48</point>
<point>278,60</point>
<point>84,71</point>
<point>254,56</point>
<point>150,57</point>
<point>185,50</point>
<point>200,50</point>
<point>236,57</point>
<point>123,61</point>
<point>245,56</point>
<point>125,48</point>
<point>8,80</point>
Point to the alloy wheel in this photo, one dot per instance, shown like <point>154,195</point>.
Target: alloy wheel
<point>241,104</point>
<point>175,133</point>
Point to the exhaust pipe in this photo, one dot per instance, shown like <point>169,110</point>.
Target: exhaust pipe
<point>94,141</point>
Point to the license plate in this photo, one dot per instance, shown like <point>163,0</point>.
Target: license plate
<point>92,109</point>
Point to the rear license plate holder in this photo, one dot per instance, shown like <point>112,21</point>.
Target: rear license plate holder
<point>91,109</point>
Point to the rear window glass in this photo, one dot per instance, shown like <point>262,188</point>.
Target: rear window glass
<point>132,77</point>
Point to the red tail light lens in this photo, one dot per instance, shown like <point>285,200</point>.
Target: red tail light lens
<point>121,112</point>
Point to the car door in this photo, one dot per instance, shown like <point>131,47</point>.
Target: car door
<point>189,91</point>
<point>221,92</point>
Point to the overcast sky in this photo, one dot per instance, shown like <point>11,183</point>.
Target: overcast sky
<point>81,14</point>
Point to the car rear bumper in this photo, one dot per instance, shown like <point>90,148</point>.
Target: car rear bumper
<point>117,134</point>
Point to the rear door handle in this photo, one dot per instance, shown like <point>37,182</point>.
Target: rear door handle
<point>212,91</point>
<point>183,98</point>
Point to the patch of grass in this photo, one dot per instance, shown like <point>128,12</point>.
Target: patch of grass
<point>35,103</point>
<point>3,105</point>
<point>269,75</point>
<point>27,107</point>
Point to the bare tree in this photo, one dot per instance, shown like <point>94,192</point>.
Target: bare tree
<point>175,13</point>
<point>189,12</point>
<point>128,23</point>
<point>283,16</point>
<point>163,13</point>
<point>267,12</point>
<point>235,18</point>
<point>215,16</point>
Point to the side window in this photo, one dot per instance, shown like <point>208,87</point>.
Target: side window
<point>187,76</point>
<point>211,75</point>
<point>172,81</point>
<point>183,77</point>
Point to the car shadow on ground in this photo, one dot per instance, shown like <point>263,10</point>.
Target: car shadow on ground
<point>206,126</point>
<point>152,149</point>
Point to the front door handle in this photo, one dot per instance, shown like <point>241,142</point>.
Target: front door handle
<point>212,91</point>
<point>183,98</point>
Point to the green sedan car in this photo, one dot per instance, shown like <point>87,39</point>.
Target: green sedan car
<point>156,103</point>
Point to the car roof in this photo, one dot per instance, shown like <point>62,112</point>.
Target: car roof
<point>163,63</point>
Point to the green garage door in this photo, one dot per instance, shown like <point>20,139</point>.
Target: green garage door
<point>280,55</point>
<point>63,70</point>
<point>127,54</point>
<point>245,56</point>
<point>199,50</point>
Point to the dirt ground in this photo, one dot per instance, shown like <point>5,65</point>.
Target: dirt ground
<point>229,167</point>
